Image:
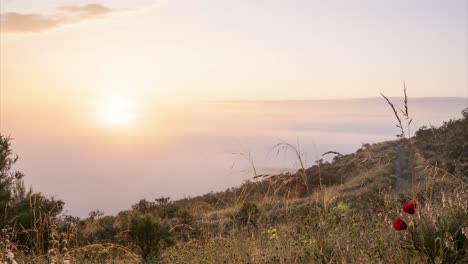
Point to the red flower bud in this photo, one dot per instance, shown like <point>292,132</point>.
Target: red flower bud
<point>399,224</point>
<point>409,207</point>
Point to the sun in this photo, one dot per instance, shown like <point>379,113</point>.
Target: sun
<point>117,111</point>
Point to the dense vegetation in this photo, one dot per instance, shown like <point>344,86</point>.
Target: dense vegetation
<point>343,211</point>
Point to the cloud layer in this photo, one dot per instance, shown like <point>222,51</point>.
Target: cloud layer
<point>13,22</point>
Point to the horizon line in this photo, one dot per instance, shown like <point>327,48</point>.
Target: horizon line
<point>331,99</point>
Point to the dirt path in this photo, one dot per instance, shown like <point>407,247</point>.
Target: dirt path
<point>400,181</point>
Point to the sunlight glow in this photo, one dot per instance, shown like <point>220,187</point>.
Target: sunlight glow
<point>117,111</point>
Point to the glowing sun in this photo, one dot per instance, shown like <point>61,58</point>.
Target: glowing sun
<point>117,111</point>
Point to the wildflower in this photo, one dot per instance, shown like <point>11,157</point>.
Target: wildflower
<point>448,241</point>
<point>343,206</point>
<point>11,257</point>
<point>409,207</point>
<point>465,231</point>
<point>399,224</point>
<point>379,211</point>
<point>272,233</point>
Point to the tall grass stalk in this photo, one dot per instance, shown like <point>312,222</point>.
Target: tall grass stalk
<point>406,138</point>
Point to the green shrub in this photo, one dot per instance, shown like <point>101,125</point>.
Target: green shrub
<point>149,235</point>
<point>248,213</point>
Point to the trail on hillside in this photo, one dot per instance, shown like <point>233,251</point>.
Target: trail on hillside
<point>400,181</point>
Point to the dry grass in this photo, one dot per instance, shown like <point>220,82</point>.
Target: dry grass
<point>325,227</point>
<point>339,212</point>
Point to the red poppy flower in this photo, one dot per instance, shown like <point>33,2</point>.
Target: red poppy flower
<point>409,207</point>
<point>399,224</point>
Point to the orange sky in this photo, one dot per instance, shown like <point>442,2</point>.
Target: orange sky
<point>219,50</point>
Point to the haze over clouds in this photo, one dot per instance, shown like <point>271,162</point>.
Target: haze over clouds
<point>191,149</point>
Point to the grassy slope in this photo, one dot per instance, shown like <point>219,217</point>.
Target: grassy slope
<point>342,215</point>
<point>342,222</point>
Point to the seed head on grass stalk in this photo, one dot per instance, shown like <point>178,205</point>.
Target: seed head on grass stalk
<point>402,135</point>
<point>287,146</point>
<point>247,156</point>
<point>399,125</point>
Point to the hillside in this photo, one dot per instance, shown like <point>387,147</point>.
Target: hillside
<point>341,211</point>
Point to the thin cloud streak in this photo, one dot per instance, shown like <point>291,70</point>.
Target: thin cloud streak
<point>18,23</point>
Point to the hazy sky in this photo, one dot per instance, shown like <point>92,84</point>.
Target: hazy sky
<point>79,51</point>
<point>109,98</point>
